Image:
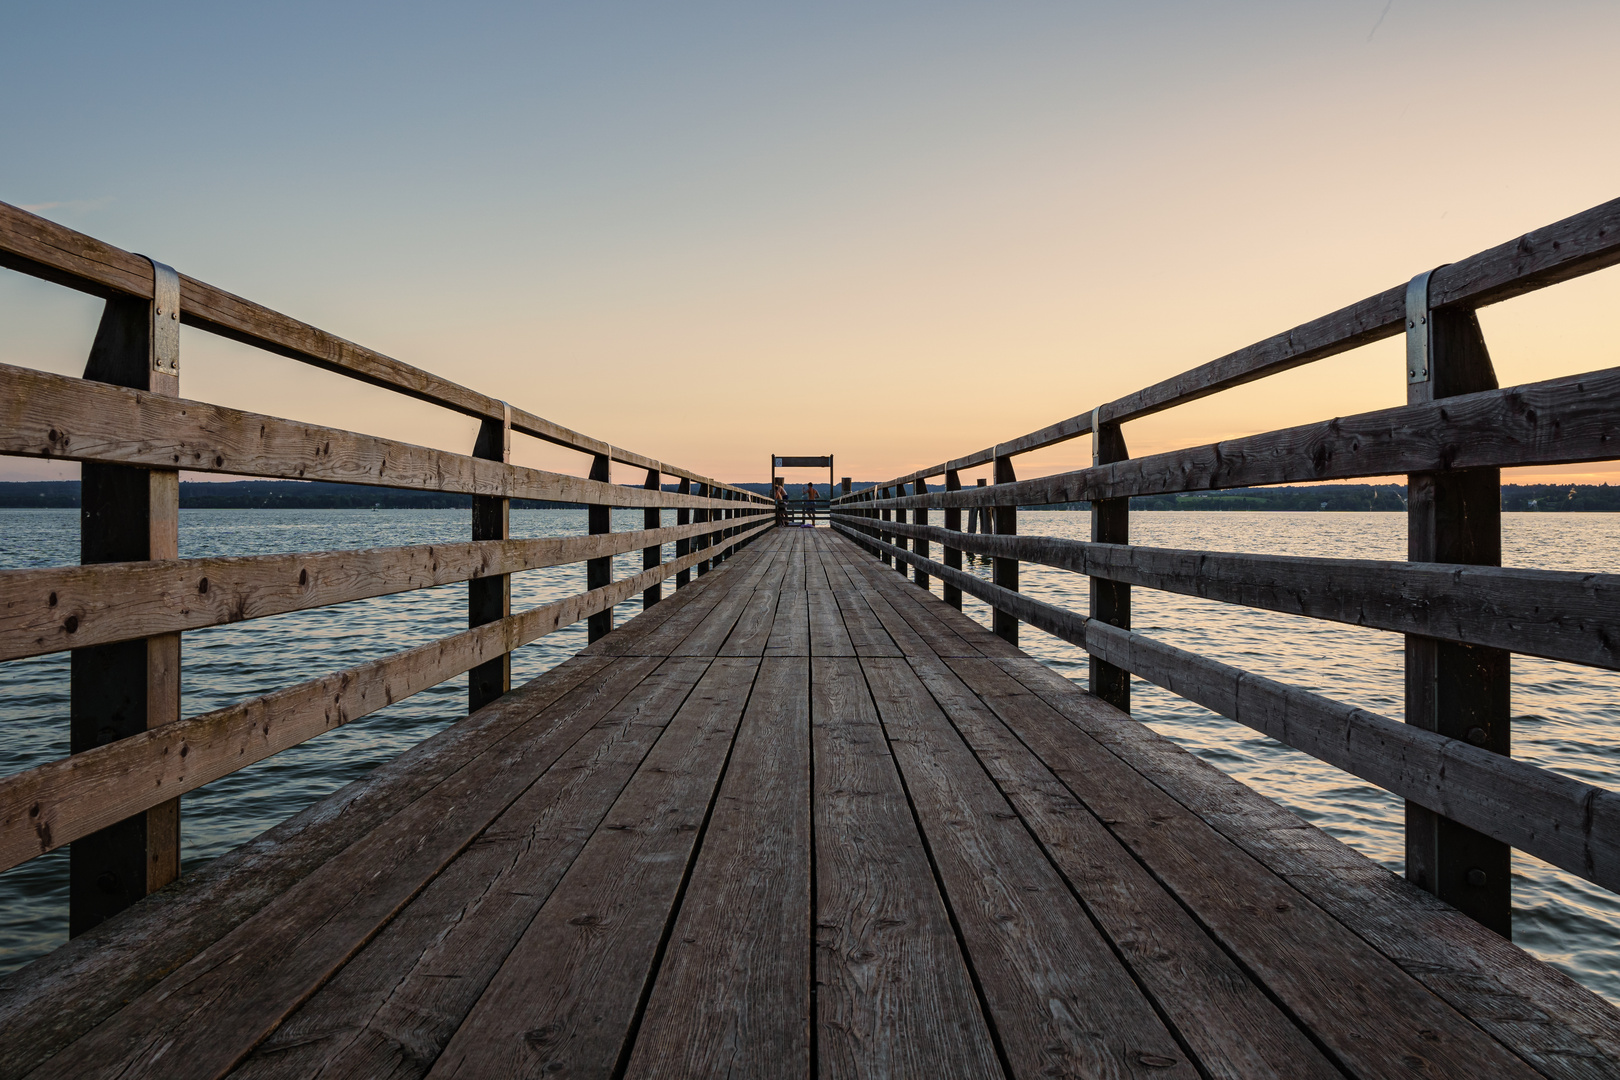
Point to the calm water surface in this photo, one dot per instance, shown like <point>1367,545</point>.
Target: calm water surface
<point>1566,717</point>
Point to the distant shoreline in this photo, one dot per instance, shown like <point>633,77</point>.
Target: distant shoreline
<point>313,495</point>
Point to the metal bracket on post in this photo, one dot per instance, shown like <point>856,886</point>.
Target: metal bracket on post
<point>1096,436</point>
<point>506,433</point>
<point>165,339</point>
<point>1419,327</point>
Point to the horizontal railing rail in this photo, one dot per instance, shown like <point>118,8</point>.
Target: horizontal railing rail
<point>1461,613</point>
<point>1573,825</point>
<point>123,611</point>
<point>41,248</point>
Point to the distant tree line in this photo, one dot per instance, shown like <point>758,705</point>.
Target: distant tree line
<point>315,495</point>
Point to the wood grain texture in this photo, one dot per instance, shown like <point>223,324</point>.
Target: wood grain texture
<point>567,996</point>
<point>1225,1019</point>
<point>58,997</point>
<point>118,601</point>
<point>1558,421</point>
<point>54,416</point>
<point>1060,1000</point>
<point>202,1019</point>
<point>1542,1014</point>
<point>893,995</point>
<point>1573,825</point>
<point>45,249</point>
<point>53,804</point>
<point>1338,986</point>
<point>1561,615</point>
<point>733,993</point>
<point>391,1010</point>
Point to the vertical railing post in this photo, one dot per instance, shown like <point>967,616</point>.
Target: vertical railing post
<point>953,556</point>
<point>981,513</point>
<point>683,547</point>
<point>1461,691</point>
<point>919,545</point>
<point>122,689</point>
<point>1004,572</point>
<point>701,540</point>
<point>490,598</point>
<point>652,555</point>
<point>900,541</point>
<point>1110,600</point>
<point>885,536</point>
<point>599,572</point>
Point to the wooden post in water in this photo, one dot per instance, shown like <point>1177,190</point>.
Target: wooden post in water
<point>121,689</point>
<point>1004,572</point>
<point>490,598</point>
<point>979,516</point>
<point>1110,600</point>
<point>652,518</point>
<point>683,516</point>
<point>1461,691</point>
<point>920,546</point>
<point>953,556</point>
<point>599,572</point>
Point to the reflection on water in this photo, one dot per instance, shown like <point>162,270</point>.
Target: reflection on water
<point>1564,716</point>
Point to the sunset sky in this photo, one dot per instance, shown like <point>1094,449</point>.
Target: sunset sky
<point>895,232</point>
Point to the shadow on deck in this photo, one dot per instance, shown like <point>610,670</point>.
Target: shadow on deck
<point>800,818</point>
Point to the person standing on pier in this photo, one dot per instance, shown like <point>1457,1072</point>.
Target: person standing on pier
<point>779,496</point>
<point>810,504</point>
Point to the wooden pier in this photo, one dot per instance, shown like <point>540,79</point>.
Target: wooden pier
<point>800,817</point>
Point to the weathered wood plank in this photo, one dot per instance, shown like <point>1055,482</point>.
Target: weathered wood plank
<point>394,1007</point>
<point>866,633</point>
<point>57,998</point>
<point>790,631</point>
<point>828,636</point>
<point>1060,1000</point>
<point>1561,615</point>
<point>566,997</point>
<point>55,416</point>
<point>1546,1017</point>
<point>51,805</point>
<point>1333,982</point>
<point>1558,421</point>
<point>202,1019</point>
<point>733,993</point>
<point>753,628</point>
<point>893,995</point>
<point>1232,1029</point>
<point>1573,825</point>
<point>42,248</point>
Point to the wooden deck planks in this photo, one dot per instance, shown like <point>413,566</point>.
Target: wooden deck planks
<point>894,996</point>
<point>801,818</point>
<point>734,989</point>
<point>565,1000</point>
<point>1231,1027</point>
<point>205,1017</point>
<point>1333,982</point>
<point>1548,1019</point>
<point>59,997</point>
<point>1062,1002</point>
<point>392,1009</point>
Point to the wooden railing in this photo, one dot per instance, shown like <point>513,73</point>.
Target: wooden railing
<point>122,613</point>
<point>1468,801</point>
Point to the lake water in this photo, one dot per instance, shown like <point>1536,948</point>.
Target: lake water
<point>1566,717</point>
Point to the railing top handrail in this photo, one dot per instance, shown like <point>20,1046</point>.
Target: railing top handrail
<point>41,248</point>
<point>1576,245</point>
